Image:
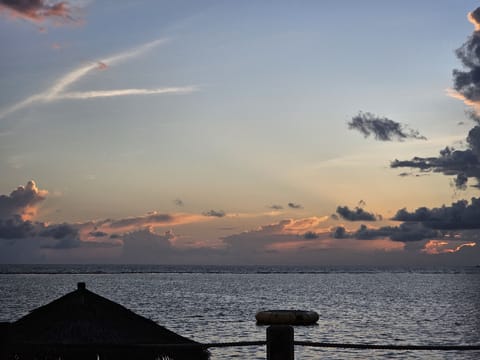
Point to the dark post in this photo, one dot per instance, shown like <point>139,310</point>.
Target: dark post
<point>4,339</point>
<point>280,342</point>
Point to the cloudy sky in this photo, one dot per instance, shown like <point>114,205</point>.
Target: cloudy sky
<point>227,132</point>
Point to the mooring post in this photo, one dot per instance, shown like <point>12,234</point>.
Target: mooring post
<point>4,326</point>
<point>280,342</point>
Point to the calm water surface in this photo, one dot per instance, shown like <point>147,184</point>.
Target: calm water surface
<point>217,304</point>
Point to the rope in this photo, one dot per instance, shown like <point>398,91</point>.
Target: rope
<point>389,347</point>
<point>232,344</point>
<point>258,343</point>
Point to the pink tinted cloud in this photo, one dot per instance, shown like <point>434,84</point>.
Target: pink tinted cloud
<point>435,247</point>
<point>325,242</point>
<point>101,65</point>
<point>116,230</point>
<point>288,241</point>
<point>23,201</point>
<point>38,10</point>
<point>305,224</point>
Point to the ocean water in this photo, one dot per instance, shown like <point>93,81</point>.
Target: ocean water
<point>415,306</point>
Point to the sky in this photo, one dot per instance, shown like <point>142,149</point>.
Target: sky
<point>253,132</point>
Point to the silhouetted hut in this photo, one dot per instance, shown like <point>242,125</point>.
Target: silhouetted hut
<point>84,325</point>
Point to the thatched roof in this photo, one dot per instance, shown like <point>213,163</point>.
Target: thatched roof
<point>85,318</point>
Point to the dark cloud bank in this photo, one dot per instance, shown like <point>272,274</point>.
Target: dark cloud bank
<point>133,240</point>
<point>404,233</point>
<point>16,211</point>
<point>463,164</point>
<point>423,223</point>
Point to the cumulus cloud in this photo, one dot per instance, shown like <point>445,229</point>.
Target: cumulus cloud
<point>22,202</point>
<point>17,209</point>
<point>16,228</point>
<point>56,236</point>
<point>463,164</point>
<point>416,237</point>
<point>382,128</point>
<point>445,223</point>
<point>303,224</point>
<point>68,236</point>
<point>275,207</point>
<point>278,242</point>
<point>467,82</point>
<point>311,235</point>
<point>97,234</point>
<point>357,214</point>
<point>178,202</point>
<point>460,181</point>
<point>292,205</point>
<point>64,243</point>
<point>443,230</point>
<point>146,246</point>
<point>141,239</point>
<point>459,215</point>
<point>265,235</point>
<point>38,10</point>
<point>402,233</point>
<point>214,213</point>
<point>60,231</point>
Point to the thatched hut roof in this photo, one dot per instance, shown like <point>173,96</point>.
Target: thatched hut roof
<point>83,318</point>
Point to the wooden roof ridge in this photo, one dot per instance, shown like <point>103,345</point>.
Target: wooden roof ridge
<point>83,325</point>
<point>84,317</point>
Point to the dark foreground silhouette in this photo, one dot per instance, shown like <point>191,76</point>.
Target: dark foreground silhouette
<point>84,325</point>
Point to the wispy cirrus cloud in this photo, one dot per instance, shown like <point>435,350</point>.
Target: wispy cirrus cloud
<point>124,92</point>
<point>58,90</point>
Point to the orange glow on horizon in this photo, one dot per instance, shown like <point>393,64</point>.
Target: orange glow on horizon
<point>384,245</point>
<point>132,224</point>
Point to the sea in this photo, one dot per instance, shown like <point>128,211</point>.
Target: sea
<point>209,304</point>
